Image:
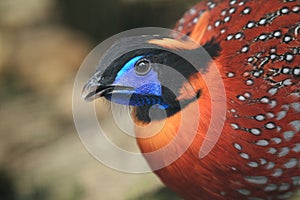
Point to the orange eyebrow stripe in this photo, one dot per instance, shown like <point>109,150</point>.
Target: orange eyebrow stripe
<point>174,44</point>
<point>200,28</point>
<point>196,36</point>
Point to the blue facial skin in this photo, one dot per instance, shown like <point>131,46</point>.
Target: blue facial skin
<point>146,89</point>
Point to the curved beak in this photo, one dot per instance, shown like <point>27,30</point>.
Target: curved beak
<point>93,89</point>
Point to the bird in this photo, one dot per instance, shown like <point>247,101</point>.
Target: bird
<point>232,115</point>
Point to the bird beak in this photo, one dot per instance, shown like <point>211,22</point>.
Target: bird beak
<point>93,89</point>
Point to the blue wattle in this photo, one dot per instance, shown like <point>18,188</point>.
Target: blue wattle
<point>133,99</point>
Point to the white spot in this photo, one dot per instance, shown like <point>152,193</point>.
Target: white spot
<point>241,98</point>
<point>244,192</point>
<point>263,161</point>
<point>245,156</point>
<point>253,164</point>
<point>284,11</point>
<point>256,74</point>
<point>212,6</point>
<point>270,187</point>
<point>277,33</point>
<point>265,100</point>
<point>232,10</point>
<point>196,19</point>
<point>241,3</point>
<point>193,11</point>
<point>297,148</point>
<point>284,186</point>
<point>278,129</point>
<point>260,180</point>
<point>287,39</point>
<point>260,117</point>
<point>227,19</point>
<point>296,106</point>
<point>270,165</point>
<point>277,140</point>
<point>270,115</point>
<point>296,9</point>
<point>270,126</point>
<point>273,91</point>
<point>232,2</point>
<point>273,50</point>
<point>229,37</point>
<point>281,115</point>
<point>234,126</point>
<point>250,24</point>
<point>262,21</point>
<point>296,125</point>
<point>246,11</point>
<point>180,28</point>
<point>230,75</point>
<point>296,71</point>
<point>272,150</point>
<point>223,30</point>
<point>237,146</point>
<point>263,37</point>
<point>255,131</point>
<point>223,13</point>
<point>249,82</point>
<point>247,95</point>
<point>291,163</point>
<point>238,35</point>
<point>297,30</point>
<point>217,23</point>
<point>246,74</point>
<point>286,70</point>
<point>273,56</point>
<point>287,82</point>
<point>273,104</point>
<point>262,143</point>
<point>288,135</point>
<point>283,151</point>
<point>289,57</point>
<point>233,110</point>
<point>181,21</point>
<point>245,49</point>
<point>277,172</point>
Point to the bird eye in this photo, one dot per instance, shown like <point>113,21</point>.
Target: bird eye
<point>142,67</point>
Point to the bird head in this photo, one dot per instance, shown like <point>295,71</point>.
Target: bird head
<point>150,73</point>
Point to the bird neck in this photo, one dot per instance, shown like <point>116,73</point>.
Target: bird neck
<point>186,133</point>
<point>177,133</point>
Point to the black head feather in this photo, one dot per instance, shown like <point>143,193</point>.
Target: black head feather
<point>186,62</point>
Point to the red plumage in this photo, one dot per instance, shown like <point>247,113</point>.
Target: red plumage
<point>257,154</point>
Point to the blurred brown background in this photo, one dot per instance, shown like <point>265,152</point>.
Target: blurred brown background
<point>42,44</point>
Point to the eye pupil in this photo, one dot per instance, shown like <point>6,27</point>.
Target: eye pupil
<point>142,67</point>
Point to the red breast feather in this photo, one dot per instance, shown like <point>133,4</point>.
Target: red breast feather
<point>257,155</point>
